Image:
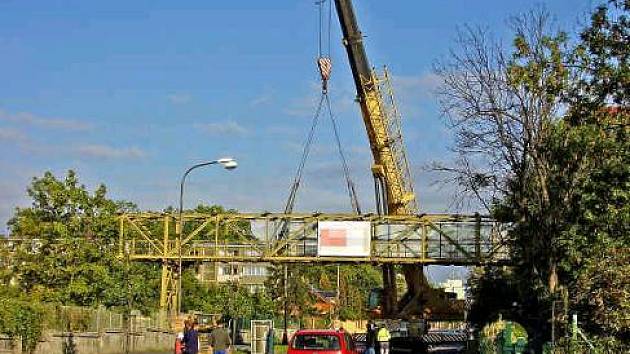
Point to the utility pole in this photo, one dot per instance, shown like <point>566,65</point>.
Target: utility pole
<point>553,323</point>
<point>127,300</point>
<point>285,335</point>
<point>338,303</point>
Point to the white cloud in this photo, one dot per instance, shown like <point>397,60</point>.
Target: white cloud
<point>12,135</point>
<point>418,84</point>
<point>27,118</point>
<point>179,98</point>
<point>283,130</point>
<point>264,98</point>
<point>229,127</point>
<point>305,106</point>
<point>108,152</point>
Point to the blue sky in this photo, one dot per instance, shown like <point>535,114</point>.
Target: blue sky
<point>131,93</point>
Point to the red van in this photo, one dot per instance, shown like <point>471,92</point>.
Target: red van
<point>321,341</point>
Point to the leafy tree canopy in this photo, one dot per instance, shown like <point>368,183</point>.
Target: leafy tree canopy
<point>542,138</point>
<point>72,259</point>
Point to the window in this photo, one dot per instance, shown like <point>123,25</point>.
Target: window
<point>255,270</point>
<point>316,342</point>
<point>255,288</point>
<point>227,270</point>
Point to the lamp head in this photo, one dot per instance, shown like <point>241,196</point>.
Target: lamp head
<point>228,163</point>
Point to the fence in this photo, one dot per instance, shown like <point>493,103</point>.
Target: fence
<point>81,319</point>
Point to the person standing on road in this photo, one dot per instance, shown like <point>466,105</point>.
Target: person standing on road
<point>269,341</point>
<point>370,339</point>
<point>179,343</point>
<point>191,337</point>
<point>219,340</point>
<point>383,338</point>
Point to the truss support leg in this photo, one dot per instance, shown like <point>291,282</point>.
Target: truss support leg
<point>390,293</point>
<point>168,290</point>
<point>164,287</point>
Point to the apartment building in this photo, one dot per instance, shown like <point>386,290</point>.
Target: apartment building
<point>250,275</point>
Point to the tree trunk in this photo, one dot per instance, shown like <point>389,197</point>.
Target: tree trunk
<point>412,302</point>
<point>390,293</point>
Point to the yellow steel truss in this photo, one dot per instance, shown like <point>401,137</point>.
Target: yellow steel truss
<point>438,239</point>
<point>382,120</point>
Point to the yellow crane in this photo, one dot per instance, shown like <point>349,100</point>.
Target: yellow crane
<point>392,177</point>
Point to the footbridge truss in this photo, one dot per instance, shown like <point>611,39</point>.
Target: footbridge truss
<point>428,239</point>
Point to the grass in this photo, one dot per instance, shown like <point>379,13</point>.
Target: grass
<point>277,349</point>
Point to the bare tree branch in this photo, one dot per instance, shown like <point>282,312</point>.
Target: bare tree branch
<point>498,104</point>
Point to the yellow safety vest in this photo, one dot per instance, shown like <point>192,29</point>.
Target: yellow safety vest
<point>383,335</point>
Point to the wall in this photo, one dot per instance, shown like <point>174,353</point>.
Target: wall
<point>97,343</point>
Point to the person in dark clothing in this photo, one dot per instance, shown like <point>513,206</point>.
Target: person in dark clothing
<point>219,340</point>
<point>370,339</point>
<point>269,341</point>
<point>191,337</point>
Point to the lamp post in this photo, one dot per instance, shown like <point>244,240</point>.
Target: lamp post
<point>229,164</point>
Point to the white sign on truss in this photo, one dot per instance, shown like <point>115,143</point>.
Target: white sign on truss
<point>343,238</point>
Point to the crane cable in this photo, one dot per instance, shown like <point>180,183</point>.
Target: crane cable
<point>306,149</point>
<point>325,67</point>
<point>354,200</point>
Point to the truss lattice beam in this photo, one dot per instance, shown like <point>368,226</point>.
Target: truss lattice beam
<point>440,239</point>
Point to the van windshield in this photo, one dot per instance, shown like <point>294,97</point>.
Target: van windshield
<point>316,341</point>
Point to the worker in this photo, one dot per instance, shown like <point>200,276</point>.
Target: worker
<point>383,338</point>
<point>269,341</point>
<point>191,337</point>
<point>370,338</point>
<point>219,340</point>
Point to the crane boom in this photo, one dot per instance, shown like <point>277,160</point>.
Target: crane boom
<point>390,169</point>
<point>392,176</point>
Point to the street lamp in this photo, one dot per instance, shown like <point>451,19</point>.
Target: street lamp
<point>229,164</point>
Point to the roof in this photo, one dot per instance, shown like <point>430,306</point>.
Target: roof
<point>317,331</point>
<point>444,337</point>
<point>432,337</point>
<point>323,295</point>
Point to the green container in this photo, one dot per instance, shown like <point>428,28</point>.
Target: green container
<point>506,339</point>
<point>520,346</point>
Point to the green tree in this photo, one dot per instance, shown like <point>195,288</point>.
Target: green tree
<point>567,182</point>
<point>298,300</point>
<point>594,142</point>
<point>72,256</point>
<point>230,300</point>
<point>600,61</point>
<point>22,319</point>
<point>501,104</point>
<point>355,283</point>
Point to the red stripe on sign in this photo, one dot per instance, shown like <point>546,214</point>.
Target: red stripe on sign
<point>335,238</point>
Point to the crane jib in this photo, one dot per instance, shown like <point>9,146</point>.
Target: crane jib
<point>353,40</point>
<point>382,122</point>
<point>392,176</point>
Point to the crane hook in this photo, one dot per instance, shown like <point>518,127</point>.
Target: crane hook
<point>325,68</point>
